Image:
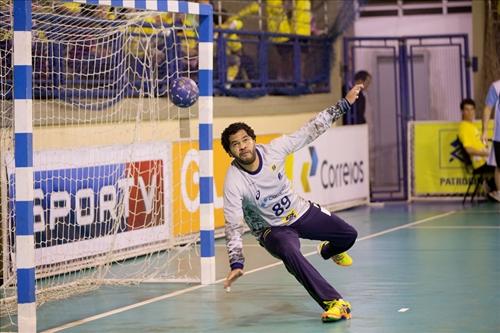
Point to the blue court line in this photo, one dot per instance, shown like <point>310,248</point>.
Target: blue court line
<point>187,290</point>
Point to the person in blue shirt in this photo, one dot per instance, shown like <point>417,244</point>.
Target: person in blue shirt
<point>492,103</point>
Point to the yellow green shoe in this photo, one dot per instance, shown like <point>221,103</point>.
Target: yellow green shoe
<point>336,310</point>
<point>341,259</point>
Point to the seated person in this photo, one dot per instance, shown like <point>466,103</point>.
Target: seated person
<point>470,137</point>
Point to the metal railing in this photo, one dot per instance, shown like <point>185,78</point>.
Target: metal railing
<point>299,65</point>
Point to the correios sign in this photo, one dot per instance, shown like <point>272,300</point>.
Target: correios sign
<point>335,167</point>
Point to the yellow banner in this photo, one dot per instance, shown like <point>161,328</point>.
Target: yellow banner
<point>438,168</point>
<point>185,168</point>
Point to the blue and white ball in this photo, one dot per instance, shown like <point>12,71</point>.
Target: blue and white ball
<point>184,92</point>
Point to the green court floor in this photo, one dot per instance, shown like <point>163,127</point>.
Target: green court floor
<point>425,267</point>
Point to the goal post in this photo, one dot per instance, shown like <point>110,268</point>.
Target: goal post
<point>90,142</point>
<point>23,156</point>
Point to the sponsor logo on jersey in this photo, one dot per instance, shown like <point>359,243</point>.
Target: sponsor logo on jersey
<point>272,197</point>
<point>290,216</point>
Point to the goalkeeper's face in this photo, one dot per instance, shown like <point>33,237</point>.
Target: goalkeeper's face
<point>242,147</point>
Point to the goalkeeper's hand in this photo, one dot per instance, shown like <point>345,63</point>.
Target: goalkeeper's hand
<point>353,94</point>
<point>232,276</point>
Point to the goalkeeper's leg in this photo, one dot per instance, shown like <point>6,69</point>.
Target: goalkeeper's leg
<point>337,235</point>
<point>284,244</point>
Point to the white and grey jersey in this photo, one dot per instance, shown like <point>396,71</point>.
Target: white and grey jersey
<point>265,197</point>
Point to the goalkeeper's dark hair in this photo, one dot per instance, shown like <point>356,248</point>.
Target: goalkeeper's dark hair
<point>232,129</point>
<point>467,101</point>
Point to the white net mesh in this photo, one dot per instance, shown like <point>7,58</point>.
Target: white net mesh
<point>108,148</point>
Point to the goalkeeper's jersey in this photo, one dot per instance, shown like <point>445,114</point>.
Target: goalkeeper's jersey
<point>265,197</point>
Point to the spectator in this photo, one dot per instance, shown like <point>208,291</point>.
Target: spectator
<point>302,26</point>
<point>493,103</point>
<point>189,45</point>
<point>239,65</point>
<point>302,18</point>
<point>276,17</point>
<point>470,137</point>
<point>277,22</point>
<point>364,78</point>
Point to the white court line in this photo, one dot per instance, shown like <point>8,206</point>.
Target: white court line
<point>183,291</point>
<point>457,227</point>
<point>259,246</point>
<point>485,211</point>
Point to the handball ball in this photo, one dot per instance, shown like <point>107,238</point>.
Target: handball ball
<point>184,92</point>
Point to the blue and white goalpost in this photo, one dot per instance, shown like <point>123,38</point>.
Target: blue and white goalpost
<point>90,181</point>
<point>23,151</point>
<point>207,234</point>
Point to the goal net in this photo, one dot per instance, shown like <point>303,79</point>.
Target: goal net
<point>115,164</point>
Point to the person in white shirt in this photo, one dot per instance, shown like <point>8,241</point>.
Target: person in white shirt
<point>257,191</point>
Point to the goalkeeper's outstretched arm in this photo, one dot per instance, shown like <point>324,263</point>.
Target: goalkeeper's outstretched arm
<point>288,144</point>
